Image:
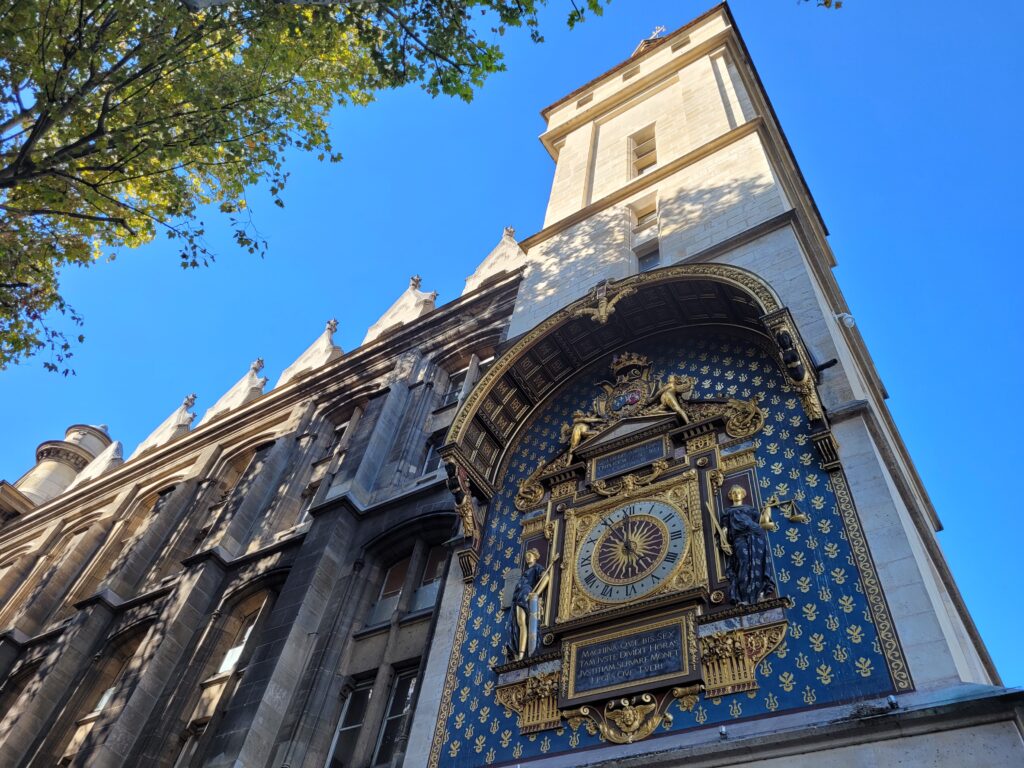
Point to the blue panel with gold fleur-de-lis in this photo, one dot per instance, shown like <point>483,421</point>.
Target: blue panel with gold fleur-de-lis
<point>832,652</point>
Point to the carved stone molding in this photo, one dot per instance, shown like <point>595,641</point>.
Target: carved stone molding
<point>630,483</point>
<point>63,453</point>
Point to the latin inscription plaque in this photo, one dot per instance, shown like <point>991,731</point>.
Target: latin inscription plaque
<point>650,653</point>
<point>635,456</point>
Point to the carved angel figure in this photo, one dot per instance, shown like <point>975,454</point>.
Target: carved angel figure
<point>671,392</point>
<point>630,717</point>
<point>579,429</point>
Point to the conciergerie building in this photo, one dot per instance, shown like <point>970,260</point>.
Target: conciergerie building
<point>633,499</point>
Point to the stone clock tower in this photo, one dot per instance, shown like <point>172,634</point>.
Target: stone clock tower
<point>690,525</point>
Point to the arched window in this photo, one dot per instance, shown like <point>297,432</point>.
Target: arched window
<point>14,688</point>
<point>108,687</point>
<point>233,641</point>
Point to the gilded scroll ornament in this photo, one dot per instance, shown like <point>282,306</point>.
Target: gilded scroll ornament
<point>602,300</point>
<point>631,483</point>
<point>743,418</point>
<point>633,718</point>
<point>531,492</point>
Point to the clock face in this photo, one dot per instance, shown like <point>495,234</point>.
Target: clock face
<point>632,551</point>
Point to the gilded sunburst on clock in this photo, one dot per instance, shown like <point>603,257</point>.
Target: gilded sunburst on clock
<point>632,551</point>
<point>629,550</point>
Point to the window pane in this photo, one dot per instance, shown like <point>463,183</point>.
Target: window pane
<point>344,748</point>
<point>386,750</point>
<point>648,261</point>
<point>357,704</point>
<point>395,578</point>
<point>405,687</point>
<point>105,698</point>
<point>351,724</point>
<point>431,458</point>
<point>435,564</point>
<point>235,651</point>
<point>401,698</point>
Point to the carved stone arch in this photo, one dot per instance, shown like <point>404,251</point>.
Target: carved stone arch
<point>434,522</point>
<point>270,581</point>
<point>455,352</point>
<point>124,632</point>
<point>611,315</point>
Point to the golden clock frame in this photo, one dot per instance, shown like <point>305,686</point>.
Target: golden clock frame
<point>681,492</point>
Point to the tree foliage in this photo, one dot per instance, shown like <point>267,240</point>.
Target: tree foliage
<point>119,119</point>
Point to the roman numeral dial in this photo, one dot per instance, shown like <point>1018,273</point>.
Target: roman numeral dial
<point>631,552</point>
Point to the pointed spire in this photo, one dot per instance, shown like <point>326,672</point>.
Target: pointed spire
<point>505,257</point>
<point>413,303</point>
<point>245,390</point>
<point>173,427</point>
<point>110,458</point>
<point>321,352</point>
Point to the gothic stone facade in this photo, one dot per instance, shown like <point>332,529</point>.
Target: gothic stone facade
<point>507,529</point>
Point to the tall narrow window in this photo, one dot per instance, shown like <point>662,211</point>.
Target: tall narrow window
<point>453,392</point>
<point>643,152</point>
<point>233,653</point>
<point>337,435</point>
<point>114,672</point>
<point>426,591</point>
<point>351,723</point>
<point>432,460</point>
<point>398,707</point>
<point>646,217</point>
<point>390,591</point>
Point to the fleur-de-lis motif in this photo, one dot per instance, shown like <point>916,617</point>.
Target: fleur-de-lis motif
<point>863,666</point>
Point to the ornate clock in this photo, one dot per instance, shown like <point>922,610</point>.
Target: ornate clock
<point>638,544</point>
<point>632,551</point>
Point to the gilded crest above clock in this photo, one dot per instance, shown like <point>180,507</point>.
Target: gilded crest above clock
<point>629,411</point>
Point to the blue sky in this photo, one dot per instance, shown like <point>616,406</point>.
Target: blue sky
<point>904,118</point>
